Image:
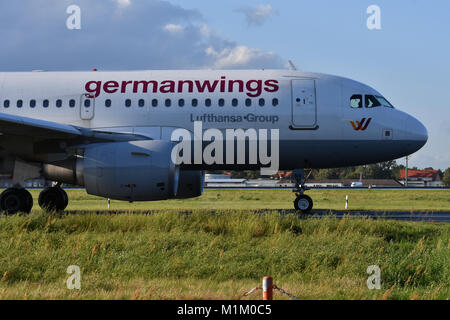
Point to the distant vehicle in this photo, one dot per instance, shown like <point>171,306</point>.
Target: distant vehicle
<point>356,184</point>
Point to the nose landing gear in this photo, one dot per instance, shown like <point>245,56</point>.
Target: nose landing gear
<point>302,202</point>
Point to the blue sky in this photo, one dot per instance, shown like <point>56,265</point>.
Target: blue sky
<point>407,60</point>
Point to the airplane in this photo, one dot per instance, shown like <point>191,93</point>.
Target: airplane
<point>112,132</point>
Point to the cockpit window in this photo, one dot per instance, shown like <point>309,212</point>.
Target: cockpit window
<point>356,101</point>
<point>384,102</point>
<point>372,102</point>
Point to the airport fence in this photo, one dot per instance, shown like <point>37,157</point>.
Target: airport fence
<point>268,286</point>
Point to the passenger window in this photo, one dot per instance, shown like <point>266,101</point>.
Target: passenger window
<point>194,102</point>
<point>181,103</point>
<point>108,103</point>
<point>154,102</point>
<point>45,103</point>
<point>127,103</point>
<point>6,103</point>
<point>262,102</point>
<point>32,103</point>
<point>221,102</point>
<point>208,102</point>
<point>141,103</point>
<point>356,101</point>
<point>235,102</point>
<point>274,102</point>
<point>72,103</point>
<point>372,102</point>
<point>168,102</point>
<point>58,103</point>
<point>248,102</point>
<point>19,103</point>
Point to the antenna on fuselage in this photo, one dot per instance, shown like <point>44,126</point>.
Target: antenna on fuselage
<point>292,66</point>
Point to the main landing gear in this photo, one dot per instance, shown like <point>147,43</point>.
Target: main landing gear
<point>53,199</point>
<point>15,200</point>
<point>302,202</point>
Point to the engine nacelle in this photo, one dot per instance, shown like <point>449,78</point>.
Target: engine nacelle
<point>131,171</point>
<point>190,184</point>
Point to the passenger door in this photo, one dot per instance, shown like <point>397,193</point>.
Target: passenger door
<point>304,106</point>
<point>87,107</point>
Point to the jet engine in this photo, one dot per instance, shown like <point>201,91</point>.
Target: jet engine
<point>131,171</point>
<point>190,184</point>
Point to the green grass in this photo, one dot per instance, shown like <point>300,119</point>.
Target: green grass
<point>221,255</point>
<point>427,200</point>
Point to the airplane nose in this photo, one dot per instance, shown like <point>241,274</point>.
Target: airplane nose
<point>416,133</point>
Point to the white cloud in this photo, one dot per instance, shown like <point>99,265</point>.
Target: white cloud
<point>123,3</point>
<point>205,30</point>
<point>135,38</point>
<point>173,28</point>
<point>257,15</point>
<point>243,57</point>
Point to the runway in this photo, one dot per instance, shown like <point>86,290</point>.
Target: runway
<point>390,215</point>
<point>424,216</point>
<point>326,188</point>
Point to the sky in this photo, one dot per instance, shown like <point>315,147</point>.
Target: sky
<point>407,60</point>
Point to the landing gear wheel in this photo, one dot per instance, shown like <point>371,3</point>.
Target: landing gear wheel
<point>303,203</point>
<point>53,199</point>
<point>14,200</point>
<point>29,199</point>
<point>66,198</point>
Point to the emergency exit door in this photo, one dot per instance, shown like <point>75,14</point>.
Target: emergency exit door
<point>87,107</point>
<point>304,107</point>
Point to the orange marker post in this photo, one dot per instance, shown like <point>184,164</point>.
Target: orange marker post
<point>267,288</point>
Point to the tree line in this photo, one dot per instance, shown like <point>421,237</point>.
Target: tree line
<point>382,170</point>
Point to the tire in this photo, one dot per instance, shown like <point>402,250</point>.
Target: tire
<point>303,203</point>
<point>15,200</point>
<point>53,199</point>
<point>29,200</point>
<point>66,198</point>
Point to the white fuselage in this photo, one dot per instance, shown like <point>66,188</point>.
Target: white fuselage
<point>312,111</point>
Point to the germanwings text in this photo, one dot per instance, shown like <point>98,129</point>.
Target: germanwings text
<point>253,88</point>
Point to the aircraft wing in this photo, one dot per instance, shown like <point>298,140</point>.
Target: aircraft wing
<point>44,130</point>
<point>39,129</point>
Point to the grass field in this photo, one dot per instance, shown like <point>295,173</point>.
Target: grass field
<point>204,255</point>
<point>434,200</point>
